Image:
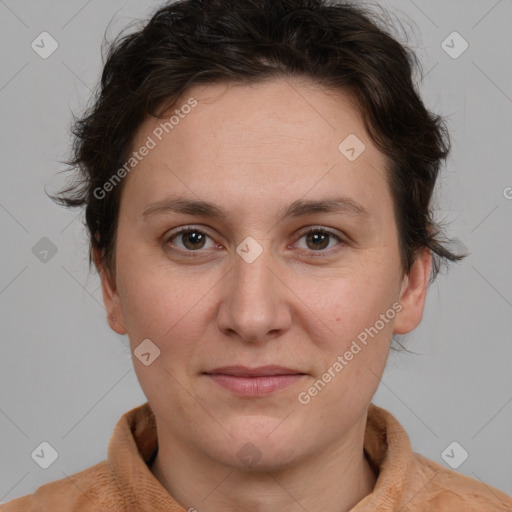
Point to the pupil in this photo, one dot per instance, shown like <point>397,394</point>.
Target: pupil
<point>192,239</point>
<point>322,238</point>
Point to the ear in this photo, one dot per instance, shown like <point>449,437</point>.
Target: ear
<point>413,294</point>
<point>111,297</point>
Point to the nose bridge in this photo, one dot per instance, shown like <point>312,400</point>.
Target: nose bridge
<point>253,305</point>
<point>253,278</point>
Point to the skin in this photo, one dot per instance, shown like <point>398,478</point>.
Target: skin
<point>254,150</point>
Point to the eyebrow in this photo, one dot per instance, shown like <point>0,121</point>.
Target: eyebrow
<point>339,204</point>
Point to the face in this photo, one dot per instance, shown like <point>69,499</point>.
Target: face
<point>294,263</point>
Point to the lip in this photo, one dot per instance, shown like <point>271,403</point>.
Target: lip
<point>261,381</point>
<point>261,371</point>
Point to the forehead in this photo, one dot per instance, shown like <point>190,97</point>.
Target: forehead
<point>280,138</point>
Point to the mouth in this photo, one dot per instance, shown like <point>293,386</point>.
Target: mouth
<point>261,381</point>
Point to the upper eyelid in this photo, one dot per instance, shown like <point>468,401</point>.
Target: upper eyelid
<point>183,229</point>
<point>307,229</point>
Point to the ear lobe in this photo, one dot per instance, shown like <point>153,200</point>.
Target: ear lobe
<point>111,297</point>
<point>413,294</point>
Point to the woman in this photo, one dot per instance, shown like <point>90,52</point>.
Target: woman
<point>257,179</point>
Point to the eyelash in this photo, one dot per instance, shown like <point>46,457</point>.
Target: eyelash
<point>314,229</point>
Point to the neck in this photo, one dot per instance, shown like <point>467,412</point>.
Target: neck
<point>332,481</point>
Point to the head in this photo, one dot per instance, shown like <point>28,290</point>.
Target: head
<point>290,143</point>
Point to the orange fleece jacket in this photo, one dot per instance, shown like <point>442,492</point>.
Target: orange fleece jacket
<point>406,480</point>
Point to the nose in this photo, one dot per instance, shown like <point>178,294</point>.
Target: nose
<point>256,301</point>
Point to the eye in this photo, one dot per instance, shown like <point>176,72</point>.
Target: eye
<point>318,239</point>
<point>191,238</point>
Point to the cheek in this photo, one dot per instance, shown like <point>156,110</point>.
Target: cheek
<point>353,349</point>
<point>164,305</point>
<point>346,304</point>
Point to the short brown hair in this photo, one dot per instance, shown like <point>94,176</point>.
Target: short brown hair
<point>335,44</point>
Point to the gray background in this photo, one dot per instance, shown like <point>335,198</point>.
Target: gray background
<point>66,378</point>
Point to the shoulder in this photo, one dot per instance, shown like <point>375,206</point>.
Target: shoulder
<point>86,491</point>
<point>436,488</point>
<point>408,481</point>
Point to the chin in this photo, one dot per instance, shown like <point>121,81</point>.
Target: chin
<point>259,444</point>
<point>260,457</point>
